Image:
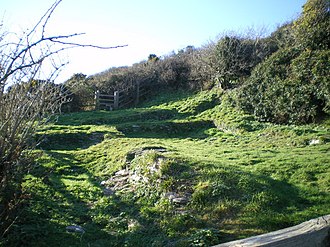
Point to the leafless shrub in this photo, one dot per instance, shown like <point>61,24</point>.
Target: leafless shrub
<point>26,102</point>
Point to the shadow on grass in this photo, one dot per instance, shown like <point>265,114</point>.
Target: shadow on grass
<point>119,117</point>
<point>71,141</point>
<point>133,123</point>
<point>245,204</point>
<point>158,129</point>
<point>69,195</point>
<point>166,129</point>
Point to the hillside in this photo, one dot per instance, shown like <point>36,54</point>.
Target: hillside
<point>181,170</point>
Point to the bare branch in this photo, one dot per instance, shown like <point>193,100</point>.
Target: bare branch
<point>45,18</point>
<point>87,45</point>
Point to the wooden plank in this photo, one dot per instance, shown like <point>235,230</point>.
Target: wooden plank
<point>97,93</point>
<point>106,100</point>
<point>116,100</point>
<point>312,233</point>
<point>120,98</point>
<point>106,95</point>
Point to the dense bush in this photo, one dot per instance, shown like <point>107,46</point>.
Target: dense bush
<point>81,93</point>
<point>235,57</point>
<point>283,36</point>
<point>175,70</point>
<point>289,87</point>
<point>312,29</point>
<point>293,85</point>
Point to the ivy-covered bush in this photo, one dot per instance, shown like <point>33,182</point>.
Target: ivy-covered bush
<point>293,85</point>
<point>289,87</point>
<point>312,29</point>
<point>81,93</point>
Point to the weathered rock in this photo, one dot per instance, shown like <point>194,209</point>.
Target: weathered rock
<point>132,177</point>
<point>155,167</point>
<point>180,200</point>
<point>118,179</point>
<point>181,211</point>
<point>170,195</point>
<point>176,198</point>
<point>122,172</point>
<point>126,188</point>
<point>135,177</point>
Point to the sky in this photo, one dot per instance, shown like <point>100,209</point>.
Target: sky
<point>145,26</point>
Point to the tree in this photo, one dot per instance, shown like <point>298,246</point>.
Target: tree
<point>26,103</point>
<point>174,70</point>
<point>236,56</point>
<point>202,71</point>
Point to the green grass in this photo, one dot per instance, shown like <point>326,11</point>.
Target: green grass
<point>241,177</point>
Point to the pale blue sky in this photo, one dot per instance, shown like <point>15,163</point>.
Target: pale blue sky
<point>147,26</point>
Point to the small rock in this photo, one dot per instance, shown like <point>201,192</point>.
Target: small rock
<point>119,179</point>
<point>180,200</point>
<point>133,225</point>
<point>123,172</point>
<point>135,178</point>
<point>314,142</point>
<point>122,187</point>
<point>156,165</point>
<point>170,195</point>
<point>182,211</point>
<point>75,228</point>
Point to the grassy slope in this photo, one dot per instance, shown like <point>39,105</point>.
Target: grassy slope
<point>241,177</point>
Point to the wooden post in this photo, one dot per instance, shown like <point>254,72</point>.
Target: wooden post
<point>137,93</point>
<point>315,232</point>
<point>116,100</point>
<point>97,100</point>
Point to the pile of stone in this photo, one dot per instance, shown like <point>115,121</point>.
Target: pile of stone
<point>128,179</point>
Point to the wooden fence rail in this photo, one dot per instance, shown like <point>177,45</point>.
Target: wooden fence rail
<point>119,99</point>
<point>312,233</point>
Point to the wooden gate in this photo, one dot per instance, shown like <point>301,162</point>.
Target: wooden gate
<point>121,98</point>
